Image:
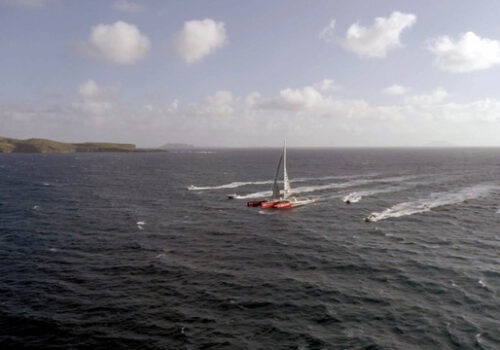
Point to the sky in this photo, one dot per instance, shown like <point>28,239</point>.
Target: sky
<point>226,73</point>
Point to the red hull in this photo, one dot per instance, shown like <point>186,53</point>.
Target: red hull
<point>269,204</point>
<point>255,203</point>
<point>284,205</point>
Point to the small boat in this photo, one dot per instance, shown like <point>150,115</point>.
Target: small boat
<point>352,198</point>
<point>287,200</point>
<point>371,218</point>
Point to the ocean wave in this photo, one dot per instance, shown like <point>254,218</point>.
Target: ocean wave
<point>433,201</point>
<point>237,184</point>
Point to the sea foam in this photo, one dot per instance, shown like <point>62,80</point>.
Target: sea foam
<point>433,201</point>
<point>237,184</point>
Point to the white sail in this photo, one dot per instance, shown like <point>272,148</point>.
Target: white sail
<point>276,189</point>
<point>287,189</point>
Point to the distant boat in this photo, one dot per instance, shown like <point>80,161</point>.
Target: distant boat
<point>287,200</point>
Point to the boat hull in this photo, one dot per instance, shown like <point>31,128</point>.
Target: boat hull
<point>294,203</point>
<point>269,204</point>
<point>284,205</point>
<point>255,203</point>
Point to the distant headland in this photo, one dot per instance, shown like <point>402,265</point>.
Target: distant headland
<point>9,145</point>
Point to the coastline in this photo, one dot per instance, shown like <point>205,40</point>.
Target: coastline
<point>11,145</point>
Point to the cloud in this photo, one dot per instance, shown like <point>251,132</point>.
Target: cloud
<point>119,43</point>
<point>199,39</point>
<point>468,53</point>
<point>127,6</point>
<point>315,100</point>
<point>313,97</point>
<point>374,41</point>
<point>219,104</point>
<point>94,100</point>
<point>295,99</point>
<point>438,95</point>
<point>484,111</point>
<point>306,97</point>
<point>396,89</point>
<point>89,89</point>
<point>307,115</point>
<point>328,33</point>
<point>326,85</point>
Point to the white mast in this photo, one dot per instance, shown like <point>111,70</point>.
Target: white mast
<point>287,189</point>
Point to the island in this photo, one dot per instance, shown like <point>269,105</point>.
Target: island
<point>10,145</point>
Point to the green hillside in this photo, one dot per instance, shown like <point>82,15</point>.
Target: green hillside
<point>9,145</point>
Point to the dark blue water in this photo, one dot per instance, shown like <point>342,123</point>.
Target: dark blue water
<point>112,251</point>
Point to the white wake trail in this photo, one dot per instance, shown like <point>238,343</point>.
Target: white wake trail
<point>433,201</point>
<point>253,195</point>
<point>335,185</point>
<point>237,184</point>
<point>229,185</point>
<point>356,196</point>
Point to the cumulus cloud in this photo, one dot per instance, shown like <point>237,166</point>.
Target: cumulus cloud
<point>199,39</point>
<point>294,99</point>
<point>252,99</point>
<point>219,104</point>
<point>94,100</point>
<point>306,97</point>
<point>127,6</point>
<point>376,40</point>
<point>326,85</point>
<point>468,53</point>
<point>89,89</point>
<point>485,111</point>
<point>438,95</point>
<point>328,33</point>
<point>119,43</point>
<point>396,89</point>
<point>308,116</point>
<point>315,100</point>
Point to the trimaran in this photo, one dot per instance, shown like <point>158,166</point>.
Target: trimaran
<point>278,201</point>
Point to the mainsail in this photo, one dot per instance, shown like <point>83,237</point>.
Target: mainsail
<point>287,189</point>
<point>276,189</point>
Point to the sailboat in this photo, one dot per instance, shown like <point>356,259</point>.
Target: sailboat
<point>278,201</point>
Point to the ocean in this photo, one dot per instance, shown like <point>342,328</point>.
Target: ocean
<point>145,251</point>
